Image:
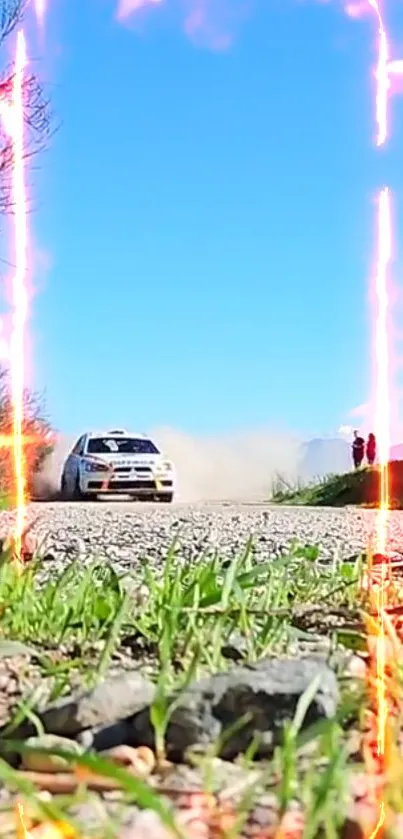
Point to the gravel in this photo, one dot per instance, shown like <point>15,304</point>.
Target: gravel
<point>127,532</point>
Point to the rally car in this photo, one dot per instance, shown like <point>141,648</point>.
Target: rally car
<point>117,462</point>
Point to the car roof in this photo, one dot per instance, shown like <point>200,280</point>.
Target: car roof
<point>116,432</point>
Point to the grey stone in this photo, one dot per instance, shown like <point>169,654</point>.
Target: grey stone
<point>266,695</point>
<point>107,703</point>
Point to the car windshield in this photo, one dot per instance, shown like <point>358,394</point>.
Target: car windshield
<point>121,445</point>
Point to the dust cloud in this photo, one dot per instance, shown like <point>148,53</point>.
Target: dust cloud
<point>238,466</point>
<point>46,484</point>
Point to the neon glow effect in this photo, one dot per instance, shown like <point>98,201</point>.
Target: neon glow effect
<point>381,822</point>
<point>20,297</point>
<point>22,832</point>
<point>385,70</point>
<point>382,430</point>
<point>40,11</point>
<point>382,395</point>
<point>382,398</point>
<point>12,115</point>
<point>382,78</point>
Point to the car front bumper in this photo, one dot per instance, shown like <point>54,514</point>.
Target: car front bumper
<point>115,485</point>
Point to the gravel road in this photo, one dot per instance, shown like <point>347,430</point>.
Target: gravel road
<point>126,532</point>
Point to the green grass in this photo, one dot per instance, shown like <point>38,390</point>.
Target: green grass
<point>182,622</point>
<point>359,488</point>
<point>186,615</point>
<point>5,501</point>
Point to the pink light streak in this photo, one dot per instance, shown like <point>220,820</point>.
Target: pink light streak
<point>40,11</point>
<point>12,115</point>
<point>20,301</point>
<point>382,78</point>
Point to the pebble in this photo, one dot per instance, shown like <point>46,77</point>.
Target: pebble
<point>37,762</point>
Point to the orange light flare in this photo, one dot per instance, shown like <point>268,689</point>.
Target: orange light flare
<point>382,395</point>
<point>7,440</point>
<point>382,430</point>
<point>379,576</point>
<point>46,830</point>
<point>380,824</point>
<point>379,573</point>
<point>22,832</point>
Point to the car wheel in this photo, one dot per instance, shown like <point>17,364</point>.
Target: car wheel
<point>78,495</point>
<point>165,497</point>
<point>64,490</point>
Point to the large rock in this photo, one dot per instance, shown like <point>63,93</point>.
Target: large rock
<point>265,694</point>
<point>109,702</point>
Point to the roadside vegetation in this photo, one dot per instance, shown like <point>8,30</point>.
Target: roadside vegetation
<point>359,488</point>
<point>60,632</point>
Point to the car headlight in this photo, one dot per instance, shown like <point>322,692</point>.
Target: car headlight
<point>93,466</point>
<point>165,466</point>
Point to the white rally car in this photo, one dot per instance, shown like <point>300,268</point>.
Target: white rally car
<point>116,462</point>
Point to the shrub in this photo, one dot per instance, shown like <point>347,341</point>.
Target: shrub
<point>37,430</point>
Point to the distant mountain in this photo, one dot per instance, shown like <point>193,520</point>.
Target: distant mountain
<point>321,457</point>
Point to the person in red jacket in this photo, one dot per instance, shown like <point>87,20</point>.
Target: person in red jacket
<point>371,449</point>
<point>358,448</point>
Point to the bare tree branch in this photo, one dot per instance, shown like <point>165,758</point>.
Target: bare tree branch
<point>38,118</point>
<point>11,14</point>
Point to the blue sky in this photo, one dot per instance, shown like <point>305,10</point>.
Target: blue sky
<point>208,217</point>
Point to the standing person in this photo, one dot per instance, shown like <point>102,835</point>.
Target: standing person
<point>358,448</point>
<point>371,449</point>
